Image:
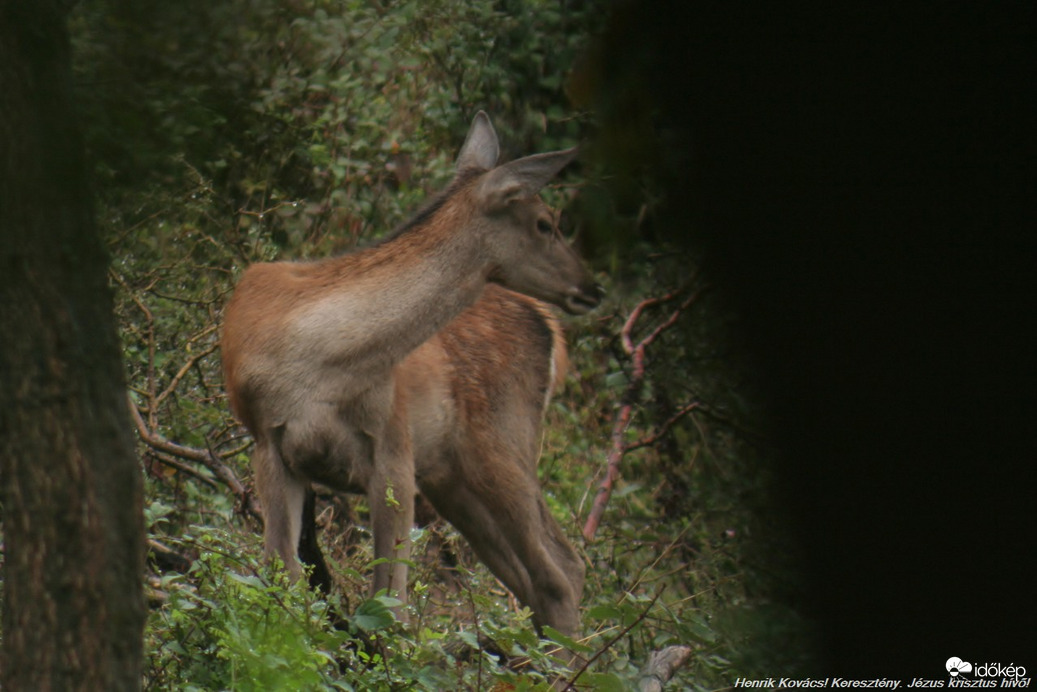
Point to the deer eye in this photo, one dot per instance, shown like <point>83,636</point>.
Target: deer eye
<point>545,227</point>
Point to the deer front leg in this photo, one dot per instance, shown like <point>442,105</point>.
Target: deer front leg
<point>390,494</point>
<point>282,495</point>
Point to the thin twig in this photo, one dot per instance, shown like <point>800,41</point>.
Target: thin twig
<point>150,321</point>
<point>598,654</point>
<point>181,373</point>
<point>649,440</point>
<point>659,558</point>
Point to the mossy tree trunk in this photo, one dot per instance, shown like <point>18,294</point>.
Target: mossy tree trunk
<point>73,610</point>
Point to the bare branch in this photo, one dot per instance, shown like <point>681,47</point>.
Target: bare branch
<point>150,321</point>
<point>612,459</point>
<point>175,382</point>
<point>635,315</point>
<point>649,440</point>
<point>172,462</point>
<point>206,458</point>
<point>647,341</point>
<point>630,398</point>
<point>166,558</point>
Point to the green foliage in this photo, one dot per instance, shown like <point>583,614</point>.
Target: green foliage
<point>228,624</point>
<point>234,132</point>
<point>231,622</point>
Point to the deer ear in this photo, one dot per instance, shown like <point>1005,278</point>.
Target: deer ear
<point>523,178</point>
<point>480,148</point>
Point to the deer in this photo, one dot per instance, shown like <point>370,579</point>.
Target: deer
<point>424,362</point>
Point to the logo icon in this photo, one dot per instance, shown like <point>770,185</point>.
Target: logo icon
<point>956,666</point>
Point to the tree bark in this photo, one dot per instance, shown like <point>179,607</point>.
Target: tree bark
<point>73,608</point>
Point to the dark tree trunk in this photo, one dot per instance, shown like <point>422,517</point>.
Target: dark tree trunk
<point>73,609</point>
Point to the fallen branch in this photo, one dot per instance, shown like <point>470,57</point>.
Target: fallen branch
<point>631,396</point>
<point>181,467</point>
<point>166,559</point>
<point>661,667</point>
<point>205,457</point>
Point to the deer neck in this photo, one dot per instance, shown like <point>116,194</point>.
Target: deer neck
<point>388,300</point>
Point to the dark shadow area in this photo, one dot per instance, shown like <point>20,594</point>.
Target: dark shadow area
<point>859,181</point>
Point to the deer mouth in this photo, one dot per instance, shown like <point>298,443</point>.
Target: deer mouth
<point>581,301</point>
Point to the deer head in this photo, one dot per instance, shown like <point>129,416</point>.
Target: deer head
<point>528,254</point>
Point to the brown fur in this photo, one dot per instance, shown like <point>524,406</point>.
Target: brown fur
<point>405,366</point>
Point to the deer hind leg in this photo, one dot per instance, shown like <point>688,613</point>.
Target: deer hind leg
<point>556,571</point>
<point>512,531</point>
<point>475,520</point>
<point>282,496</point>
<point>390,495</point>
<point>309,545</point>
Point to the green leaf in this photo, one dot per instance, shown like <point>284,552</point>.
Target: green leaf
<point>605,611</point>
<point>701,632</point>
<point>375,614</point>
<point>250,580</point>
<point>604,682</point>
<point>626,489</point>
<point>565,640</point>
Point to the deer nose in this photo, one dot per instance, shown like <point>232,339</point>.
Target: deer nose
<point>583,299</point>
